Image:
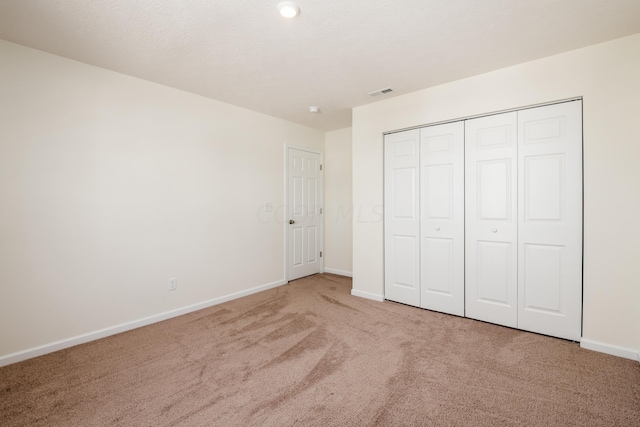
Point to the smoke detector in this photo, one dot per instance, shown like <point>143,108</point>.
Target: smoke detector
<point>380,92</point>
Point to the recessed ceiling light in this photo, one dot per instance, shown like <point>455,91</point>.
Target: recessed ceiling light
<point>288,9</point>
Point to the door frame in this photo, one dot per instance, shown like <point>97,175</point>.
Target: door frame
<point>285,219</point>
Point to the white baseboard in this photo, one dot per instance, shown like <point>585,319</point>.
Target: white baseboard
<point>611,349</point>
<point>123,327</point>
<point>367,295</point>
<point>9,359</point>
<point>338,272</point>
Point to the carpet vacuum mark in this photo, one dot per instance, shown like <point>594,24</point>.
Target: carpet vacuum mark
<point>310,354</point>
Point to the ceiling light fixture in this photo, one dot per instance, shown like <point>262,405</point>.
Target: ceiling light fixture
<point>314,109</point>
<point>288,9</point>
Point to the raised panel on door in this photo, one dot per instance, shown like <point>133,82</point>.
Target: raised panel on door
<point>542,278</point>
<point>404,188</point>
<point>401,219</point>
<point>550,220</point>
<point>297,192</point>
<point>304,180</point>
<point>405,273</point>
<point>438,270</point>
<point>490,219</point>
<point>297,250</point>
<point>442,218</point>
<point>312,195</point>
<point>494,190</point>
<point>313,251</point>
<point>494,272</point>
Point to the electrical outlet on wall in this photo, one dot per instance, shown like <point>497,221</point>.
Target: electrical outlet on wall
<point>173,283</point>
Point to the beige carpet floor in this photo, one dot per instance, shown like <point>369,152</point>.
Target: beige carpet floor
<point>310,354</point>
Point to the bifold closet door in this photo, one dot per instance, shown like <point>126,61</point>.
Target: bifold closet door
<point>401,217</point>
<point>442,218</point>
<point>491,219</point>
<point>550,220</point>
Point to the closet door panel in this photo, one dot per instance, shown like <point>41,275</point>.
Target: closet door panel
<point>442,217</point>
<point>437,268</point>
<point>401,217</point>
<point>494,272</point>
<point>550,220</point>
<point>490,219</point>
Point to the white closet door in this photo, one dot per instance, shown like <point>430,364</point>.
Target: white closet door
<point>550,220</point>
<point>401,218</point>
<point>491,219</point>
<point>442,218</point>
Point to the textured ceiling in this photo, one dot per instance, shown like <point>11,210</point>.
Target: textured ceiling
<point>243,53</point>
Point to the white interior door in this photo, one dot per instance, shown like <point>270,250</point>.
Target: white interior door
<point>491,218</point>
<point>550,220</point>
<point>304,196</point>
<point>442,218</point>
<point>401,218</point>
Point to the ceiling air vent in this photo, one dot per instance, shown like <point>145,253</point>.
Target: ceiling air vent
<point>380,92</point>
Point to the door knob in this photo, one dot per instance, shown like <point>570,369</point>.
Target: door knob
<point>437,228</point>
<point>291,221</point>
<point>494,230</point>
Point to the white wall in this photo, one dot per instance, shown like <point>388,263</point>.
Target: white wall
<point>110,185</point>
<point>337,199</point>
<point>607,76</point>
